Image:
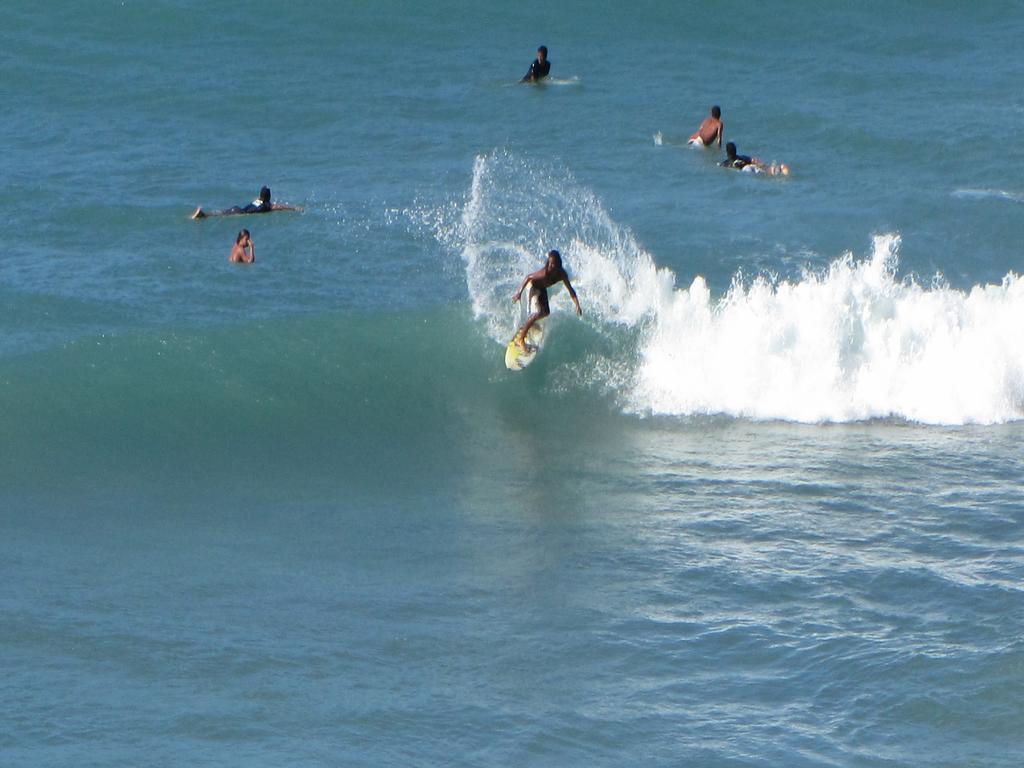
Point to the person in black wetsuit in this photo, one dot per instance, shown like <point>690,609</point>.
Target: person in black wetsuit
<point>261,204</point>
<point>753,164</point>
<point>732,160</point>
<point>540,67</point>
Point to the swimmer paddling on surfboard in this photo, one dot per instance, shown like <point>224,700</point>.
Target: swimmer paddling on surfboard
<point>746,163</point>
<point>550,274</point>
<point>261,204</point>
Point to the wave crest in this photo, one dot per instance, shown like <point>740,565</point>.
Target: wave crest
<point>851,343</point>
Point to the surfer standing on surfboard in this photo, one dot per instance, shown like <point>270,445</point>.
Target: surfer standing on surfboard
<point>550,274</point>
<point>711,130</point>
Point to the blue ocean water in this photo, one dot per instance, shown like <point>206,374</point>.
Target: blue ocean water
<point>761,506</point>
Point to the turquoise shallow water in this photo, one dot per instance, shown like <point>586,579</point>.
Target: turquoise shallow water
<point>761,506</point>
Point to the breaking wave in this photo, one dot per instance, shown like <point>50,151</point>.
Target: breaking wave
<point>852,342</point>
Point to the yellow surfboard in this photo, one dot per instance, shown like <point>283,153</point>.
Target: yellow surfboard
<point>517,358</point>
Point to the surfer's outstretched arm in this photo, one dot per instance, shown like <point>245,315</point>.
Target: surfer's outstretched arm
<point>572,295</point>
<point>285,207</point>
<point>519,294</point>
<point>538,275</point>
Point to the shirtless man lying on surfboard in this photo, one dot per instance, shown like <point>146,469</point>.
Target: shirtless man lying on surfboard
<point>711,130</point>
<point>550,274</point>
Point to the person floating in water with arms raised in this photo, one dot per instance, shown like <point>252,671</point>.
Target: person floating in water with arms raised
<point>711,130</point>
<point>550,274</point>
<point>540,67</point>
<point>747,163</point>
<point>261,204</point>
<point>244,250</point>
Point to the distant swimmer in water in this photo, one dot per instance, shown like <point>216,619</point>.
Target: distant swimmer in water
<point>261,204</point>
<point>244,250</point>
<point>540,67</point>
<point>752,164</point>
<point>550,274</point>
<point>711,130</point>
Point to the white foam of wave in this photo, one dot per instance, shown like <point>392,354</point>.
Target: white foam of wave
<point>851,343</point>
<point>574,80</point>
<point>981,194</point>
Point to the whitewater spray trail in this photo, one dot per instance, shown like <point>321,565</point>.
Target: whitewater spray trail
<point>852,342</point>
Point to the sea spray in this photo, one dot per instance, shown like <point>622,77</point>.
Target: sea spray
<point>514,213</point>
